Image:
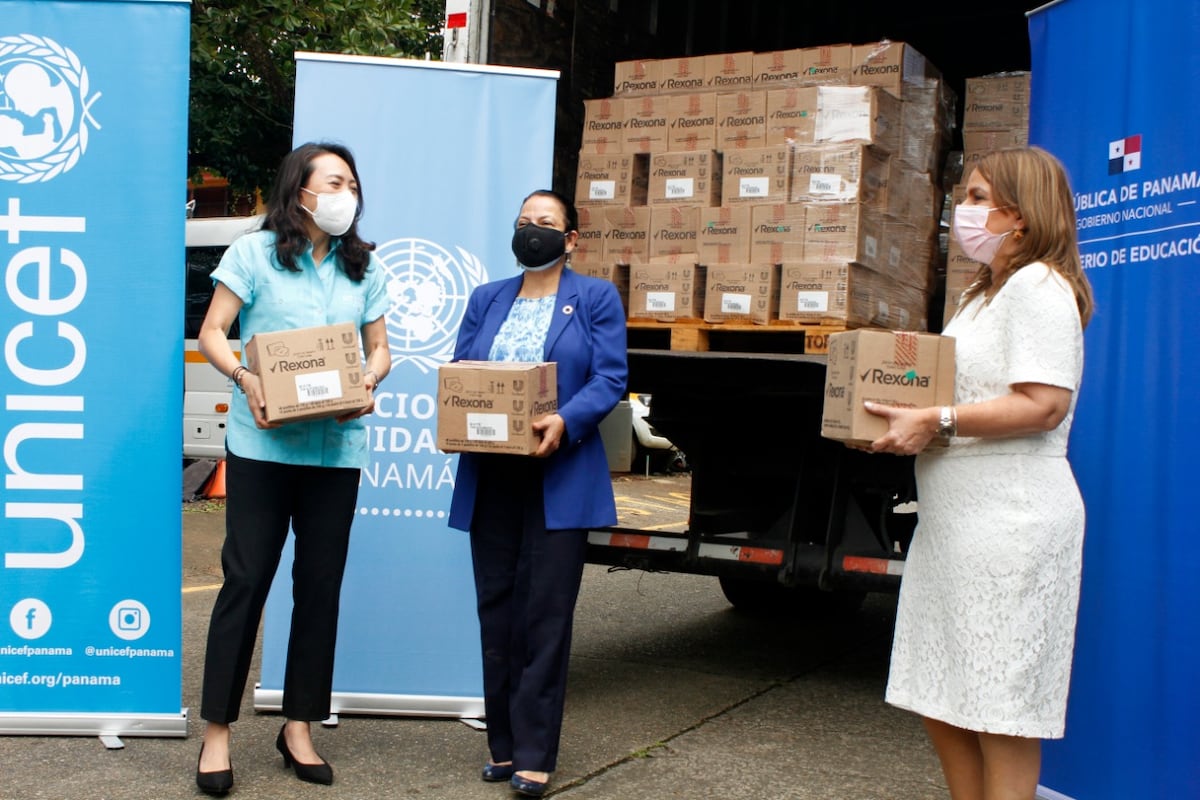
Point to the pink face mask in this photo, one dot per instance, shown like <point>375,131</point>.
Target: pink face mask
<point>970,231</point>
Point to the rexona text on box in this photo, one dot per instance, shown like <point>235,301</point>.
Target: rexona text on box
<point>309,373</point>
<point>895,368</point>
<point>490,406</point>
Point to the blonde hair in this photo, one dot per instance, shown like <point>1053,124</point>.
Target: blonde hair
<point>1034,182</point>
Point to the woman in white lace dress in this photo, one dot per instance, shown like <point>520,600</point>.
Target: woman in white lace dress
<point>986,621</point>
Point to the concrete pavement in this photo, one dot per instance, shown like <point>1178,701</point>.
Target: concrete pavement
<point>672,695</point>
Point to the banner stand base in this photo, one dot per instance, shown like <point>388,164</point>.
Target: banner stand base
<point>401,705</point>
<point>103,725</point>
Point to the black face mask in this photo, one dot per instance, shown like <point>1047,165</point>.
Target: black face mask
<point>537,248</point>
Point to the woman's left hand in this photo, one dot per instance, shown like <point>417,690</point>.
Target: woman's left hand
<point>909,429</point>
<point>551,428</point>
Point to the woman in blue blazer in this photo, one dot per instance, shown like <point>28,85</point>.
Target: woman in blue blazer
<point>528,516</point>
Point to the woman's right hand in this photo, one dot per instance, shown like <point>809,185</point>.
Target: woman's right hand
<point>252,386</point>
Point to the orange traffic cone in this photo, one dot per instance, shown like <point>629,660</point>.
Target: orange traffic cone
<point>214,489</point>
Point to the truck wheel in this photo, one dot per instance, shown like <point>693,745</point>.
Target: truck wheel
<point>766,598</point>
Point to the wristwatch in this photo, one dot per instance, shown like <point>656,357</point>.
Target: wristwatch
<point>947,422</point>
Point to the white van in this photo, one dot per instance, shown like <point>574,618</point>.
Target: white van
<point>206,392</point>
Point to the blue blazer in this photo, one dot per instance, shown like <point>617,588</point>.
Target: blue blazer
<point>587,342</point>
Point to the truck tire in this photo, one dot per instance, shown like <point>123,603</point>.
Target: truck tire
<point>767,598</point>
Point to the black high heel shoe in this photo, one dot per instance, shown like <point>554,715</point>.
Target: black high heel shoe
<point>313,773</point>
<point>216,783</point>
<point>527,787</point>
<point>493,773</point>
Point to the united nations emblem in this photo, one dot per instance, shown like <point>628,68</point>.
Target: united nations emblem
<point>428,287</point>
<point>45,108</point>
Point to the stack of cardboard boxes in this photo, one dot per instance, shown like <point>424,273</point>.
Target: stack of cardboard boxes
<point>798,185</point>
<point>995,116</point>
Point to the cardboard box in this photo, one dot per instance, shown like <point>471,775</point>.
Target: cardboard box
<point>611,180</point>
<point>997,101</point>
<point>840,173</point>
<point>667,290</point>
<point>858,114</point>
<point>911,370</point>
<point>756,175</point>
<point>692,122</point>
<point>603,126</point>
<point>741,120</point>
<point>813,293</point>
<point>618,274</point>
<point>489,406</point>
<point>777,69</point>
<point>645,128</point>
<point>741,293</point>
<point>891,65</point>
<point>723,235</point>
<point>978,143</point>
<point>685,179</point>
<point>728,72</point>
<point>777,233</point>
<point>791,115</point>
<point>672,230</point>
<point>828,64</point>
<point>589,246</point>
<point>309,373</point>
<point>678,75</point>
<point>842,232</point>
<point>636,78</point>
<point>626,234</point>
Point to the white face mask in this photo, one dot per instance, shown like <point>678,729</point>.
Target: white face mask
<point>335,211</point>
<point>970,231</point>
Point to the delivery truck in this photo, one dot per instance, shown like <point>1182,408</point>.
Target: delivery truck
<point>787,520</point>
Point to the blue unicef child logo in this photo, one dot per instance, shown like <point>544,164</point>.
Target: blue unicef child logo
<point>45,109</point>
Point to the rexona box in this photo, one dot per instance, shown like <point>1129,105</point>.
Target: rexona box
<point>896,368</point>
<point>309,373</point>
<point>490,406</point>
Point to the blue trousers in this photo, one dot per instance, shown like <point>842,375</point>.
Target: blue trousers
<point>526,584</point>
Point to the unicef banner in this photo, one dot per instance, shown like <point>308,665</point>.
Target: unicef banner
<point>446,153</point>
<point>93,139</point>
<point>1116,95</point>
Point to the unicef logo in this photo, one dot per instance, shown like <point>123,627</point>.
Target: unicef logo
<point>428,287</point>
<point>45,109</point>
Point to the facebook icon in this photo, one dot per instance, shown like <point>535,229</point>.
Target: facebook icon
<point>30,618</point>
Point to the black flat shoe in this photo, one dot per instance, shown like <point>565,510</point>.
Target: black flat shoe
<point>527,787</point>
<point>216,783</point>
<point>494,773</point>
<point>313,773</point>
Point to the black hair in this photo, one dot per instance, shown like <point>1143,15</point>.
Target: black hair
<point>569,210</point>
<point>289,219</point>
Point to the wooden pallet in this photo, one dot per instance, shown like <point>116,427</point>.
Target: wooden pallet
<point>696,335</point>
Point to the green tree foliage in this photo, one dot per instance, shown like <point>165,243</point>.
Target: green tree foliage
<point>243,71</point>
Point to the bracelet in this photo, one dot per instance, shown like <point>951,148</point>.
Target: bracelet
<point>373,374</point>
<point>947,421</point>
<point>236,376</point>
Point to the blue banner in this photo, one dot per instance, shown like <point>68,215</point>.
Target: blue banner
<point>93,143</point>
<point>1116,95</point>
<point>446,152</point>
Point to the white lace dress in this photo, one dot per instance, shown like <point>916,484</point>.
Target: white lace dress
<point>986,621</point>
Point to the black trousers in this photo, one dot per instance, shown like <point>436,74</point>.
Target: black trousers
<point>262,499</point>
<point>526,584</point>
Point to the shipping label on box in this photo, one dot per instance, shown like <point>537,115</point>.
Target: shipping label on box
<point>777,233</point>
<point>309,373</point>
<point>741,293</point>
<point>895,368</point>
<point>756,175</point>
<point>490,406</point>
<point>685,179</point>
<point>665,291</point>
